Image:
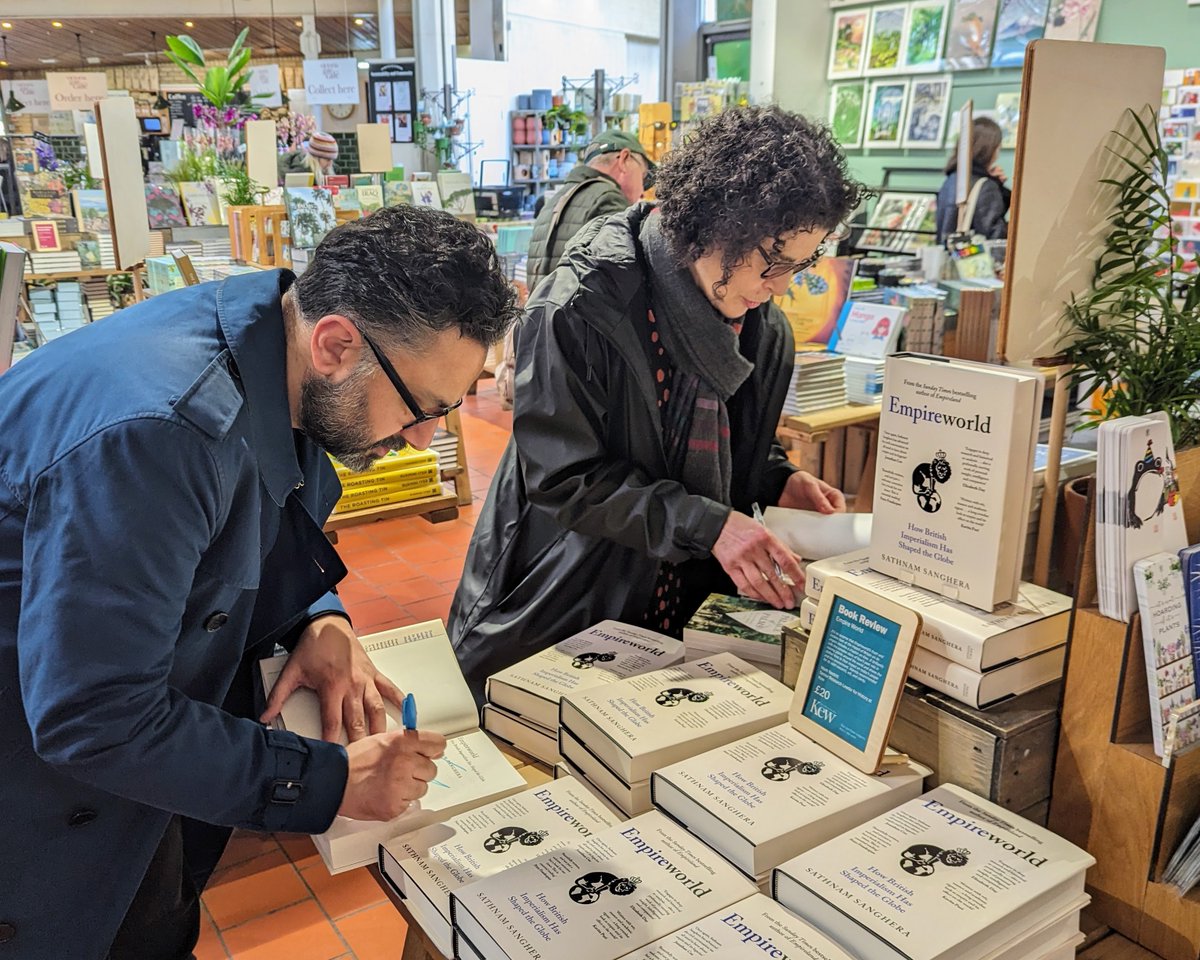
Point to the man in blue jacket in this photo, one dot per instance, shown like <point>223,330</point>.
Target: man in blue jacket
<point>163,484</point>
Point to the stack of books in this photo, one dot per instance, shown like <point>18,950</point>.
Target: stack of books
<point>216,247</point>
<point>162,275</point>
<point>818,383</point>
<point>425,867</point>
<point>61,261</point>
<point>864,380</point>
<point>401,476</point>
<point>68,300</point>
<point>190,247</point>
<point>925,320</point>
<point>738,625</point>
<point>523,700</point>
<point>616,735</point>
<point>445,445</point>
<point>95,293</point>
<point>947,876</point>
<point>973,656</point>
<point>108,258</point>
<point>865,334</point>
<point>975,306</point>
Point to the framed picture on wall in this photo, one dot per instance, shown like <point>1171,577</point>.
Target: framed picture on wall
<point>1018,24</point>
<point>886,38</point>
<point>926,36</point>
<point>885,113</point>
<point>1074,19</point>
<point>847,102</point>
<point>928,104</point>
<point>1008,115</point>
<point>848,46</point>
<point>969,34</point>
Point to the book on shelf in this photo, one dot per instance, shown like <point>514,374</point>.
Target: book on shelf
<point>614,892</point>
<point>1038,620</point>
<point>818,383</point>
<point>955,466</point>
<point>472,771</point>
<point>925,320</point>
<point>864,380</point>
<point>429,864</point>
<point>752,929</point>
<point>768,797</point>
<point>1189,559</point>
<point>541,743</point>
<point>970,686</point>
<point>738,625</point>
<point>946,876</point>
<point>636,725</point>
<point>1170,670</point>
<point>564,768</point>
<point>608,651</point>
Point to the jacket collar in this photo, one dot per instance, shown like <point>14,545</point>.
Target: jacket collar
<point>250,311</point>
<point>581,172</point>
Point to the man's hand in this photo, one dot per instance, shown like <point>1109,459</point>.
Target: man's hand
<point>388,772</point>
<point>803,491</point>
<point>330,660</point>
<point>748,552</point>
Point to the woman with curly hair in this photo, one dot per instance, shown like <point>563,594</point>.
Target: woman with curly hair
<point>651,372</point>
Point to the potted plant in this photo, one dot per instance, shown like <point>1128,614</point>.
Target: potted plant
<point>570,123</point>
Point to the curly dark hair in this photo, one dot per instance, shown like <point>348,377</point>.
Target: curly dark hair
<point>748,173</point>
<point>406,272</point>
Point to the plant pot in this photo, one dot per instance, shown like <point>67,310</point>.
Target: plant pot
<point>1076,495</point>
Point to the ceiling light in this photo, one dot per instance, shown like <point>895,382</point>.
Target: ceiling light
<point>188,23</point>
<point>359,21</point>
<point>47,59</point>
<point>57,24</point>
<point>3,63</point>
<point>299,23</point>
<point>6,25</point>
<point>363,65</point>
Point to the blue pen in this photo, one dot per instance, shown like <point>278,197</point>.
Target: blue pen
<point>408,713</point>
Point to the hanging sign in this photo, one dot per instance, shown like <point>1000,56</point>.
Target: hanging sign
<point>391,99</point>
<point>180,102</point>
<point>265,80</point>
<point>76,91</point>
<point>331,81</point>
<point>34,94</point>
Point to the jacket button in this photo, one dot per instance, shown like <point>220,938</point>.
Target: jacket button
<point>216,621</point>
<point>7,932</point>
<point>81,817</point>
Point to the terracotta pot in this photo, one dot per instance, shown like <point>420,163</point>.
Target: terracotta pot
<point>1076,495</point>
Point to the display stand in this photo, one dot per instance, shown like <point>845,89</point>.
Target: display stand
<point>256,233</point>
<point>839,447</point>
<point>1112,795</point>
<point>459,474</point>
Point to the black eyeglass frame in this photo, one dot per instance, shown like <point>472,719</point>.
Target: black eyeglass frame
<point>409,400</point>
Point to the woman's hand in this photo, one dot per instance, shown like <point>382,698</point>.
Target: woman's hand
<point>803,491</point>
<point>748,552</point>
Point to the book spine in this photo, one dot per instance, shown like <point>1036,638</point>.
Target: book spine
<point>945,676</point>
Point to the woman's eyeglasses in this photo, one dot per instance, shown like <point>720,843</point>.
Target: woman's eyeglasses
<point>782,268</point>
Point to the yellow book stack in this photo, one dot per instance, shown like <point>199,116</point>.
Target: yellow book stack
<point>397,478</point>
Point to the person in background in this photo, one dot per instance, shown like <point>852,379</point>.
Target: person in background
<point>164,480</point>
<point>652,368</point>
<point>317,155</point>
<point>989,198</point>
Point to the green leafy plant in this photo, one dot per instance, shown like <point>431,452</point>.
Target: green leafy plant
<point>194,166</point>
<point>76,176</point>
<point>120,285</point>
<point>223,84</point>
<point>240,190</point>
<point>1135,335</point>
<point>562,117</point>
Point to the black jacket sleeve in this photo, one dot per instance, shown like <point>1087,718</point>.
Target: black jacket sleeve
<point>990,211</point>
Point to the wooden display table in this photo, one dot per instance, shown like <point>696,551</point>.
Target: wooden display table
<point>839,446</point>
<point>434,509</point>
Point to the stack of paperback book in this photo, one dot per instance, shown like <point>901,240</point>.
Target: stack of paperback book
<point>865,334</point>
<point>1139,507</point>
<point>925,322</point>
<point>523,700</point>
<point>947,876</point>
<point>975,657</point>
<point>615,892</point>
<point>445,445</point>
<point>739,625</point>
<point>818,383</point>
<point>58,261</point>
<point>401,476</point>
<point>616,735</point>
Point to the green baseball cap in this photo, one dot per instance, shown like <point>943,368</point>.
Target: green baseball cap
<point>614,141</point>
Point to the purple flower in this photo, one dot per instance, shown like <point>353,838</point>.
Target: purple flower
<point>45,154</point>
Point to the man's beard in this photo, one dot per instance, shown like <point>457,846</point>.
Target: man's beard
<point>334,416</point>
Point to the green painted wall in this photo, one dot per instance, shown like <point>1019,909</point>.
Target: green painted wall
<point>1171,24</point>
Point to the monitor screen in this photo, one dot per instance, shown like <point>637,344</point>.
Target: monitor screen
<point>152,124</point>
<point>852,665</point>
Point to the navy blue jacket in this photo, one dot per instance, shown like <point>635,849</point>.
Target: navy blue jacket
<point>159,518</point>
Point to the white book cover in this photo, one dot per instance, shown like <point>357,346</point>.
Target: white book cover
<point>756,928</point>
<point>615,892</point>
<point>601,654</point>
<point>815,536</point>
<point>1170,670</point>
<point>630,798</point>
<point>538,742</point>
<point>770,796</point>
<point>473,769</point>
<point>955,467</point>
<point>868,330</point>
<point>947,876</point>
<point>426,866</point>
<point>1036,621</point>
<point>638,724</point>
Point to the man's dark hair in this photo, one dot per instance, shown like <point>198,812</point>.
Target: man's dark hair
<point>748,173</point>
<point>404,273</point>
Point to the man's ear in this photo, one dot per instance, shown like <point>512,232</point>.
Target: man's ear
<point>335,346</point>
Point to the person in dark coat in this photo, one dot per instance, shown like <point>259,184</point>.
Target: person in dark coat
<point>989,219</point>
<point>163,485</point>
<point>652,368</point>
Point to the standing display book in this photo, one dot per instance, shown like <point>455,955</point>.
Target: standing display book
<point>601,654</point>
<point>472,771</point>
<point>1170,671</point>
<point>756,928</point>
<point>1036,621</point>
<point>748,628</point>
<point>769,797</point>
<point>947,876</point>
<point>615,892</point>
<point>636,725</point>
<point>955,468</point>
<point>426,866</point>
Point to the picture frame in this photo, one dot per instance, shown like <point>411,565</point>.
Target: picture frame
<point>886,103</point>
<point>925,36</point>
<point>847,111</point>
<point>46,238</point>
<point>926,114</point>
<point>848,45</point>
<point>885,39</point>
<point>1018,23</point>
<point>970,30</point>
<point>1073,20</point>
<point>1008,115</point>
<point>848,713</point>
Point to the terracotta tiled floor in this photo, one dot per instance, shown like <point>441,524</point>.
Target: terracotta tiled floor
<point>271,897</point>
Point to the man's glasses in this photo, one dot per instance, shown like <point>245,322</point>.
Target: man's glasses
<point>408,398</point>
